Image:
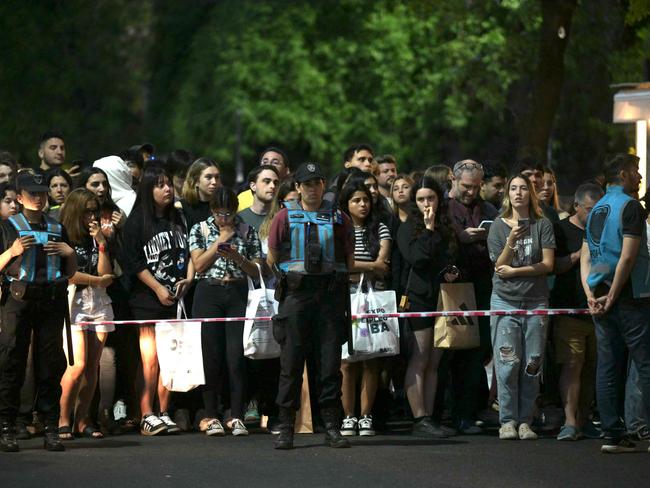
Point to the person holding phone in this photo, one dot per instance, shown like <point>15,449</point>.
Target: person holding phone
<point>90,303</point>
<point>224,251</point>
<point>521,243</point>
<point>154,235</point>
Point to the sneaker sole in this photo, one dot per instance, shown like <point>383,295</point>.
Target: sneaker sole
<point>616,449</point>
<point>348,433</point>
<point>173,430</point>
<point>153,432</point>
<point>239,432</point>
<point>215,433</point>
<point>366,432</point>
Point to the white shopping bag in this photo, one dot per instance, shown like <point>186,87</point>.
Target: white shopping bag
<point>179,353</point>
<point>373,337</point>
<point>259,342</point>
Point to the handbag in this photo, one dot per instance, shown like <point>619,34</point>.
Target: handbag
<point>259,342</point>
<point>179,352</point>
<point>456,332</point>
<point>373,337</point>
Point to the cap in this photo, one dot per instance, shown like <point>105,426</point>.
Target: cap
<point>308,171</point>
<point>33,183</point>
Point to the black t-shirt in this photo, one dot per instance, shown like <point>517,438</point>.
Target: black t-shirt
<point>87,256</point>
<point>195,213</point>
<point>568,292</point>
<point>8,234</point>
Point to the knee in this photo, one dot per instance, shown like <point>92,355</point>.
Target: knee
<point>534,365</point>
<point>508,355</point>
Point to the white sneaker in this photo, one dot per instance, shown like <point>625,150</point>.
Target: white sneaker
<point>349,426</point>
<point>119,410</point>
<point>152,425</point>
<point>211,427</point>
<point>365,425</point>
<point>238,427</point>
<point>526,433</point>
<point>508,431</point>
<point>172,427</point>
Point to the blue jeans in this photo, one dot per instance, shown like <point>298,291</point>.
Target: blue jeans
<point>621,327</point>
<point>518,343</point>
<point>635,417</point>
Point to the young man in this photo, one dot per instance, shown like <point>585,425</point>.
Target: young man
<point>311,245</point>
<point>51,152</point>
<point>387,171</point>
<point>574,335</point>
<point>37,261</point>
<point>360,156</point>
<point>614,264</point>
<point>264,182</point>
<point>493,186</point>
<point>273,156</point>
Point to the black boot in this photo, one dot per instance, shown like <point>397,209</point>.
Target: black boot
<point>8,442</point>
<point>287,421</point>
<point>51,441</point>
<point>333,437</point>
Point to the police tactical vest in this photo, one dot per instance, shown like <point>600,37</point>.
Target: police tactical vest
<point>28,261</point>
<point>604,233</point>
<point>307,227</point>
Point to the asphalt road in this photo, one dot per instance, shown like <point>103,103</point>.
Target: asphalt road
<point>195,460</point>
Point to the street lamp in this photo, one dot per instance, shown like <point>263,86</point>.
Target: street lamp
<point>632,104</point>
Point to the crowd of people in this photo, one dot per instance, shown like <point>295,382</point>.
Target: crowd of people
<point>136,236</point>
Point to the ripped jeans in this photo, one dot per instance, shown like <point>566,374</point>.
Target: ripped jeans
<point>518,343</point>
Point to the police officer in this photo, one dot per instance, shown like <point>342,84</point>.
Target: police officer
<point>311,246</point>
<point>36,260</point>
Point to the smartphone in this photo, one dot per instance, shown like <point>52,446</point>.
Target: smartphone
<point>485,224</point>
<point>524,223</point>
<point>223,247</point>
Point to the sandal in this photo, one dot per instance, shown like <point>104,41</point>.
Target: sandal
<point>92,433</point>
<point>65,433</point>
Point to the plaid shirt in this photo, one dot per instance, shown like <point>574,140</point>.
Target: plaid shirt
<point>245,240</point>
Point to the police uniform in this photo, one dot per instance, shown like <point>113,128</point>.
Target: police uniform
<point>311,250</point>
<point>34,291</point>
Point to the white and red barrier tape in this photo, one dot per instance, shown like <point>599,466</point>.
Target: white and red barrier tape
<point>451,313</point>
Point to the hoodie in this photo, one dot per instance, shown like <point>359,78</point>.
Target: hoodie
<point>120,179</point>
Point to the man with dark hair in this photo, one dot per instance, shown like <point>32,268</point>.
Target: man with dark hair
<point>387,171</point>
<point>264,182</point>
<point>574,335</point>
<point>614,264</point>
<point>535,173</point>
<point>273,156</point>
<point>359,156</point>
<point>51,152</point>
<point>135,162</point>
<point>493,186</point>
<point>8,166</point>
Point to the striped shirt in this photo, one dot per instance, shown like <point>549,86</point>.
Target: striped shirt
<point>361,250</point>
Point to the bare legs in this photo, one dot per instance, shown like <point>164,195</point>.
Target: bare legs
<point>421,378</point>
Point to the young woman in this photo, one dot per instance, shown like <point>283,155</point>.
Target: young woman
<point>371,256</point>
<point>90,303</point>
<point>427,243</point>
<point>203,178</point>
<point>110,216</point>
<point>154,236</point>
<point>59,184</point>
<point>224,250</point>
<point>8,203</point>
<point>522,247</point>
<point>400,192</point>
<point>548,193</point>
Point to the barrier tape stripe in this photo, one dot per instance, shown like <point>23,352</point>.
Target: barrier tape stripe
<point>408,315</point>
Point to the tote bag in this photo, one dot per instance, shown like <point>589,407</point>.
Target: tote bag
<point>456,332</point>
<point>259,342</point>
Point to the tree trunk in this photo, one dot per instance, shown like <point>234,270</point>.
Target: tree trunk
<point>547,86</point>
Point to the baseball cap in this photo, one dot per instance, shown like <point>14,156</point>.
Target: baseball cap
<point>31,182</point>
<point>308,171</point>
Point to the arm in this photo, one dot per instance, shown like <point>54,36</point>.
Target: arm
<point>544,267</point>
<point>165,297</point>
<point>379,266</point>
<point>565,263</point>
<point>585,267</point>
<point>203,259</point>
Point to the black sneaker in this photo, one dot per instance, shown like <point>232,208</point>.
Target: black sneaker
<point>426,428</point>
<point>51,440</point>
<point>22,434</point>
<point>617,446</point>
<point>642,434</point>
<point>8,442</point>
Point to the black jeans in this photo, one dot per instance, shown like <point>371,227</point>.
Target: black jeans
<point>43,317</point>
<point>222,343</point>
<point>310,320</point>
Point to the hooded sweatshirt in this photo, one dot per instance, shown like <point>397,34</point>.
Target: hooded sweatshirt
<point>120,179</point>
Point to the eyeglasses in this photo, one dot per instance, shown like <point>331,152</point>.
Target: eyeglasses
<point>467,165</point>
<point>224,214</point>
